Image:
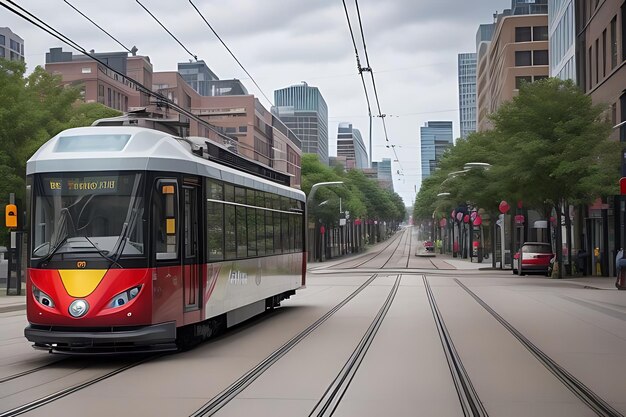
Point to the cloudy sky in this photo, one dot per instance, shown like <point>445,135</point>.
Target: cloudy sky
<point>412,47</point>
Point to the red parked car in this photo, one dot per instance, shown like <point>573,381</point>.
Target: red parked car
<point>535,257</point>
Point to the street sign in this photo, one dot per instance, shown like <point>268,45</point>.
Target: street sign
<point>622,185</point>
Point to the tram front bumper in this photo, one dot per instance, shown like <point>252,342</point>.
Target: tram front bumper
<point>157,337</point>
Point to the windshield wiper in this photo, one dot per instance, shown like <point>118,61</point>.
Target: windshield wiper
<point>102,253</point>
<point>62,231</point>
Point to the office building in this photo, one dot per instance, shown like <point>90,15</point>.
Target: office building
<point>239,122</point>
<point>467,93</point>
<point>435,138</point>
<point>383,173</point>
<point>11,45</point>
<point>562,37</point>
<point>351,146</point>
<point>517,53</point>
<point>303,110</point>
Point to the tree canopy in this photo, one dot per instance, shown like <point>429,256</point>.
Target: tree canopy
<point>548,145</point>
<point>359,195</point>
<point>34,108</point>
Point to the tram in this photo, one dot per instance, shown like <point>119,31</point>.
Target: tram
<point>143,241</point>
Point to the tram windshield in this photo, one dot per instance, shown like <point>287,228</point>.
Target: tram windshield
<point>88,212</point>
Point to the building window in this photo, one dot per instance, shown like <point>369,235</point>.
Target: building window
<point>597,59</point>
<point>623,32</point>
<point>540,57</point>
<point>100,94</point>
<point>519,81</point>
<point>613,42</point>
<point>540,33</point>
<point>522,59</point>
<point>522,34</point>
<point>243,129</point>
<point>2,40</point>
<point>85,70</point>
<point>604,53</point>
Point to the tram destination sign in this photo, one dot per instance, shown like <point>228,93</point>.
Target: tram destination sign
<point>79,186</point>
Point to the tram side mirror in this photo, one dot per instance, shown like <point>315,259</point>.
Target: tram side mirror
<point>11,216</point>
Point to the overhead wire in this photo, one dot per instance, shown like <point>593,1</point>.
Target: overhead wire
<point>230,52</point>
<point>99,27</point>
<point>167,30</point>
<point>359,68</point>
<point>31,18</point>
<point>368,69</point>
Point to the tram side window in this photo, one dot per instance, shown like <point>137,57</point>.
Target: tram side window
<point>260,222</point>
<point>215,221</point>
<point>284,206</point>
<point>230,222</point>
<point>165,215</point>
<point>278,247</point>
<point>242,231</point>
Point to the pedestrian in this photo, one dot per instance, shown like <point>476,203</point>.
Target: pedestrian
<point>596,255</point>
<point>618,258</point>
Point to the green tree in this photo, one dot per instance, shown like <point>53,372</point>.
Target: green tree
<point>33,109</point>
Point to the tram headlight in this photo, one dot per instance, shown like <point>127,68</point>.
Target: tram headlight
<point>42,298</point>
<point>124,297</point>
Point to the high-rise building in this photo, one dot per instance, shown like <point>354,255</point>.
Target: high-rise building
<point>562,37</point>
<point>435,138</point>
<point>467,93</point>
<point>204,81</point>
<point>304,111</point>
<point>383,170</point>
<point>517,53</point>
<point>197,75</point>
<point>11,45</point>
<point>351,146</point>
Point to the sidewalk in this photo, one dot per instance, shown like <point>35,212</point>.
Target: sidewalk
<point>12,302</point>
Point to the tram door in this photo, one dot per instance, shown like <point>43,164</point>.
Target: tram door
<point>192,267</point>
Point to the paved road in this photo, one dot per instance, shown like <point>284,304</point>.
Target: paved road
<point>381,333</point>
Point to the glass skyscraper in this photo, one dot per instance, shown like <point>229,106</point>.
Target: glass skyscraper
<point>562,36</point>
<point>435,138</point>
<point>303,110</point>
<point>350,145</point>
<point>467,93</point>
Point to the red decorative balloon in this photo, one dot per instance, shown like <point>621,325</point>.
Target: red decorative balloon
<point>504,207</point>
<point>519,219</point>
<point>443,222</point>
<point>459,216</point>
<point>453,214</point>
<point>466,218</point>
<point>520,204</point>
<point>473,216</point>
<point>478,221</point>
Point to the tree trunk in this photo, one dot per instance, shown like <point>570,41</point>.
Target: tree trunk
<point>559,241</point>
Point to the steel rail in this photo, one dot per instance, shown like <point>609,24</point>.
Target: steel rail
<point>67,391</point>
<point>470,402</point>
<point>393,239</point>
<point>30,371</point>
<point>234,389</point>
<point>580,390</point>
<point>333,395</point>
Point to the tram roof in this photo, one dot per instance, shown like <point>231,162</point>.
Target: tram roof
<point>125,148</point>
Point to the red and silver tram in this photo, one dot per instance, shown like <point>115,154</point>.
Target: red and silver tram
<point>140,241</point>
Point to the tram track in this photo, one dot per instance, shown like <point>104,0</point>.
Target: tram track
<point>30,371</point>
<point>397,236</point>
<point>329,402</point>
<point>234,389</point>
<point>42,401</point>
<point>580,390</point>
<point>468,397</point>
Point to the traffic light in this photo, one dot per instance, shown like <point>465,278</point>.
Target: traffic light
<point>11,216</point>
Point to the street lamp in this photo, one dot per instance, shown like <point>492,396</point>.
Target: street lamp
<point>309,201</point>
